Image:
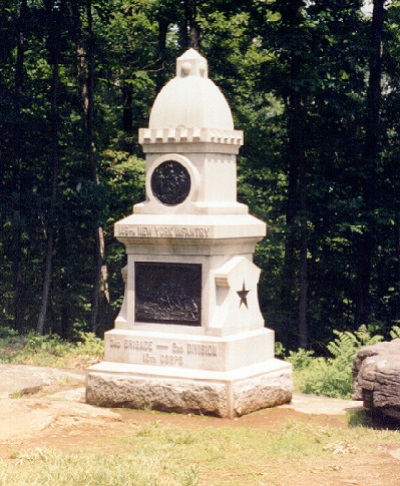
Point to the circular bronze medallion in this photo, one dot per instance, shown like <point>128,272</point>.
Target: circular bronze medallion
<point>170,183</point>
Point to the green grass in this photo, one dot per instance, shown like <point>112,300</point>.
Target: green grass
<point>157,454</point>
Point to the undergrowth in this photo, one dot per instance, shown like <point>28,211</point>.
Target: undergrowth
<point>332,376</point>
<point>49,350</point>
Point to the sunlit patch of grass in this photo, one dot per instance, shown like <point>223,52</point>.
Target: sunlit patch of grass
<point>159,454</point>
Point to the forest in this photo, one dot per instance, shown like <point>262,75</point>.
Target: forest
<point>314,85</point>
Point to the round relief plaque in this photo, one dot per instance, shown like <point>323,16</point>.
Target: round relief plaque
<point>170,183</point>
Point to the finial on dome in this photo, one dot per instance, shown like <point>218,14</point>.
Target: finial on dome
<point>191,63</point>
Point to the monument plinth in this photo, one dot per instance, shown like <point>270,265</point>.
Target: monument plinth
<point>190,336</point>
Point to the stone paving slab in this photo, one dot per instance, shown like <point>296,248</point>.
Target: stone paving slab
<point>313,404</point>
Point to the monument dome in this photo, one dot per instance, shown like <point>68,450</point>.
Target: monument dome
<point>191,99</point>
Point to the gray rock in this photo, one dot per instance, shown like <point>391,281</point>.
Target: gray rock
<point>376,373</point>
<point>27,380</point>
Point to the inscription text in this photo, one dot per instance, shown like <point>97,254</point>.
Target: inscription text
<point>200,232</point>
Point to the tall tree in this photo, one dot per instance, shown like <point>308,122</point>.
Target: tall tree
<point>18,215</point>
<point>371,153</point>
<point>293,30</point>
<point>191,26</point>
<point>100,284</point>
<point>54,45</point>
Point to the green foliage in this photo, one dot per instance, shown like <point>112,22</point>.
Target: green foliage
<point>38,350</point>
<point>345,346</point>
<point>300,359</point>
<point>331,376</point>
<point>279,349</point>
<point>90,344</point>
<point>262,55</point>
<point>7,333</point>
<point>395,332</point>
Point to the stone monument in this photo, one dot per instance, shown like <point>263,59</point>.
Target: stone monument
<point>190,336</point>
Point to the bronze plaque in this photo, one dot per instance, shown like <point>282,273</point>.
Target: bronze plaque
<point>168,293</point>
<point>170,183</point>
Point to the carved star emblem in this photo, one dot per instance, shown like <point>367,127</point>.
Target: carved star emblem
<point>243,295</point>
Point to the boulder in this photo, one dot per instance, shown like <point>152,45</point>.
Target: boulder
<point>376,373</point>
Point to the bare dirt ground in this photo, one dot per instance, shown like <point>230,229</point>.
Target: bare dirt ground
<point>53,415</point>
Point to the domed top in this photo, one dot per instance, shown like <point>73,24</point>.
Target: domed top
<point>191,99</point>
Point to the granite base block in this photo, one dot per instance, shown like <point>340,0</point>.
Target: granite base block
<point>224,396</point>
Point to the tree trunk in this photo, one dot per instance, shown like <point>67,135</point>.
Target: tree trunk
<point>289,263</point>
<point>19,301</point>
<point>193,26</point>
<point>365,247</point>
<point>162,45</point>
<point>296,209</point>
<point>54,33</point>
<point>397,270</point>
<point>296,217</point>
<point>303,277</point>
<point>100,286</point>
<point>190,30</point>
<point>46,282</point>
<point>127,114</point>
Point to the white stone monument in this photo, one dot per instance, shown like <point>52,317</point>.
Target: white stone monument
<point>190,336</point>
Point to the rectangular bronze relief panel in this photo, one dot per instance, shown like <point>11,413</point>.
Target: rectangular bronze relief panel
<point>168,293</point>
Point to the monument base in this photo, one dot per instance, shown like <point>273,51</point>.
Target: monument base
<point>225,394</point>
